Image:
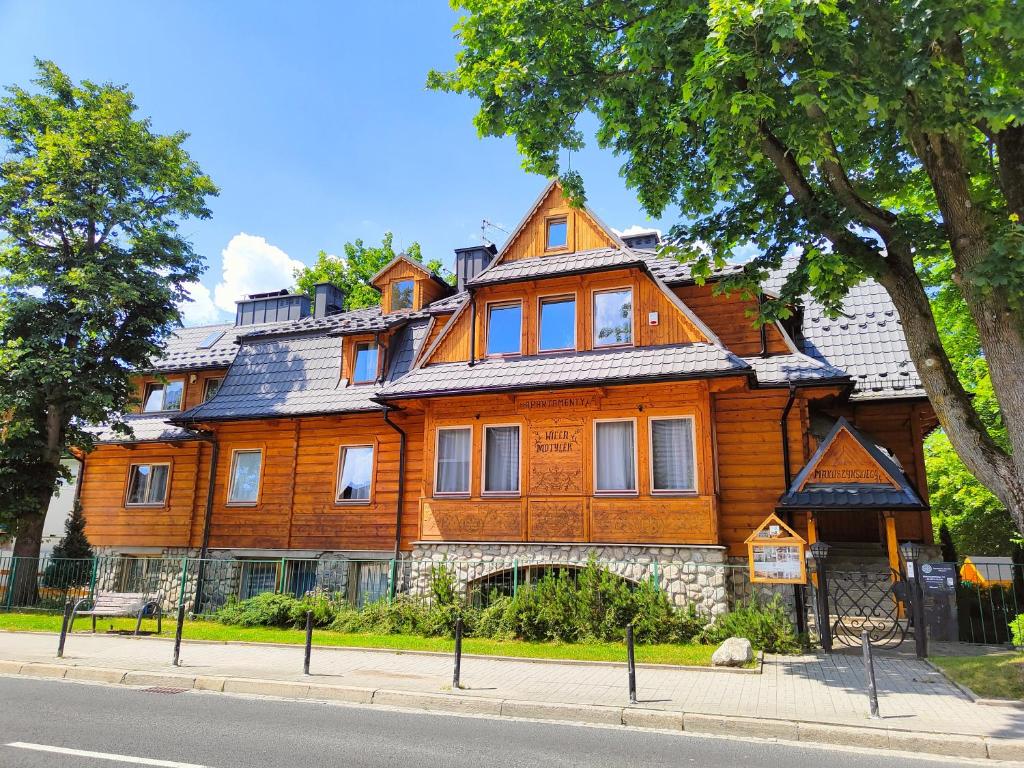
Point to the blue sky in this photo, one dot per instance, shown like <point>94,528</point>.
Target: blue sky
<point>312,118</point>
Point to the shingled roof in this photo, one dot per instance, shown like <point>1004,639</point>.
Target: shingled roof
<point>146,428</point>
<point>633,365</point>
<point>182,350</point>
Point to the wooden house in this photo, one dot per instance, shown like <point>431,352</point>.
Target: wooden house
<point>576,394</point>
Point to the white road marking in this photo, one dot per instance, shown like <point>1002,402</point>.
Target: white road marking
<point>103,755</point>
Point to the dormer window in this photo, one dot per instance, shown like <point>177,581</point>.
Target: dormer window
<point>402,294</point>
<point>504,328</point>
<point>557,233</point>
<point>364,369</point>
<point>163,397</point>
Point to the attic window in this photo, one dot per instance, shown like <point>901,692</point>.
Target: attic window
<point>558,233</point>
<point>163,397</point>
<point>211,338</point>
<point>401,294</point>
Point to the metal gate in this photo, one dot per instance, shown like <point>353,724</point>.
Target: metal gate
<point>867,600</point>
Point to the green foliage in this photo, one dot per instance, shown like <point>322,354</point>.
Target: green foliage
<point>71,560</point>
<point>1017,630</point>
<point>766,626</point>
<point>352,272</point>
<point>93,264</point>
<point>271,609</point>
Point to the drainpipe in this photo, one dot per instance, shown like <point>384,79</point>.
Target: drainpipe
<point>784,427</point>
<point>207,517</point>
<point>472,328</point>
<point>401,479</point>
<point>764,331</point>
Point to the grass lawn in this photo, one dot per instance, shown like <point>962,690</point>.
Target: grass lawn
<point>994,676</point>
<point>695,655</point>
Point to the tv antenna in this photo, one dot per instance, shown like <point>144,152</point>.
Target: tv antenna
<point>484,226</point>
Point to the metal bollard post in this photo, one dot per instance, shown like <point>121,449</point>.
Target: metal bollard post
<point>458,654</point>
<point>869,670</point>
<point>177,634</point>
<point>309,642</point>
<point>631,664</point>
<point>64,629</point>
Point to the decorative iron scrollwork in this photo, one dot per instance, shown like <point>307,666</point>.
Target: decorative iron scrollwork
<point>868,601</point>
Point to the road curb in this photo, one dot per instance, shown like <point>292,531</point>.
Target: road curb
<point>807,732</point>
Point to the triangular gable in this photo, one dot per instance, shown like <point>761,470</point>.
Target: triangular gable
<point>775,530</point>
<point>845,457</point>
<point>400,259</point>
<point>552,201</point>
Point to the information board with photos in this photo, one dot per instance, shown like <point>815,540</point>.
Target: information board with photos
<point>776,554</point>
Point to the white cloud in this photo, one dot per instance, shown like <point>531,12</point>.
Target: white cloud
<point>200,309</point>
<point>252,265</point>
<point>635,229</point>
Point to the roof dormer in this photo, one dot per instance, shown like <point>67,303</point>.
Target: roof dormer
<point>405,285</point>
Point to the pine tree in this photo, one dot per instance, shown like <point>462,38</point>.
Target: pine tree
<point>946,542</point>
<point>69,566</point>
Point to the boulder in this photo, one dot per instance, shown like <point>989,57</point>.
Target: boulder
<point>734,652</point>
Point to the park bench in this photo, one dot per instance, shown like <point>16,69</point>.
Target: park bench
<point>135,604</point>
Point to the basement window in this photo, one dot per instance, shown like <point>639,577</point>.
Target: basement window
<point>147,485</point>
<point>163,397</point>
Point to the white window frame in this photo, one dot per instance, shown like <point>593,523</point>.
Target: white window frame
<point>487,330</point>
<point>593,318</point>
<point>163,398</point>
<point>355,361</point>
<point>650,447</point>
<point>341,470</point>
<point>483,461</point>
<point>636,459</point>
<point>128,488</point>
<point>231,479</point>
<point>437,458</point>
<point>575,321</point>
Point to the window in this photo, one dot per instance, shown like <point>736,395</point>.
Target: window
<point>163,397</point>
<point>257,577</point>
<point>504,328</point>
<point>370,582</point>
<point>300,577</point>
<point>138,574</point>
<point>210,339</point>
<point>245,477</point>
<point>501,459</point>
<point>401,294</point>
<point>558,233</point>
<point>451,474</point>
<point>355,472</point>
<point>613,317</point>
<point>672,456</point>
<point>211,388</point>
<point>615,456</point>
<point>147,485</point>
<point>557,323</point>
<point>365,366</point>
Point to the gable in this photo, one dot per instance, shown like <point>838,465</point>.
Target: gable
<point>584,230</point>
<point>846,461</point>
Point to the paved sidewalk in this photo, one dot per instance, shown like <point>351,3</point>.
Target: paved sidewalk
<point>813,688</point>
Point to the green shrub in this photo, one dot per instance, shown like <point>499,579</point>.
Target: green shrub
<point>266,610</point>
<point>766,626</point>
<point>1017,630</point>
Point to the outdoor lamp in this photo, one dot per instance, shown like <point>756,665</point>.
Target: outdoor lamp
<point>820,550</point>
<point>910,551</point>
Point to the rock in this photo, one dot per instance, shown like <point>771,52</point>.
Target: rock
<point>734,652</point>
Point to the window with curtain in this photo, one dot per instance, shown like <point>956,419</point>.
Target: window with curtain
<point>504,328</point>
<point>613,317</point>
<point>501,462</point>
<point>557,323</point>
<point>365,369</point>
<point>615,457</point>
<point>355,473</point>
<point>672,464</point>
<point>163,397</point>
<point>245,476</point>
<point>451,475</point>
<point>147,484</point>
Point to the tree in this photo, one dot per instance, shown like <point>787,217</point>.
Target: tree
<point>352,272</point>
<point>869,138</point>
<point>92,268</point>
<point>69,566</point>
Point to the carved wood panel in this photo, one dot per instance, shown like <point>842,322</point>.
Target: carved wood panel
<point>554,456</point>
<point>845,461</point>
<point>471,520</point>
<point>680,521</point>
<point>562,520</point>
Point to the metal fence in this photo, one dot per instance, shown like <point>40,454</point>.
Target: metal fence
<point>204,586</point>
<point>987,609</point>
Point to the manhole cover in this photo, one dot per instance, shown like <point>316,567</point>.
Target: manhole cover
<point>161,689</point>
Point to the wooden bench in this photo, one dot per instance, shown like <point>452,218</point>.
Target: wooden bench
<point>119,604</point>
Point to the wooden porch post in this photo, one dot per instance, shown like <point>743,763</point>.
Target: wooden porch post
<point>893,549</point>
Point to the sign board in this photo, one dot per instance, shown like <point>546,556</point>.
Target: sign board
<point>938,583</point>
<point>938,578</point>
<point>776,554</point>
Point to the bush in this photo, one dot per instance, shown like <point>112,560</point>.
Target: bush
<point>766,626</point>
<point>266,610</point>
<point>1017,630</point>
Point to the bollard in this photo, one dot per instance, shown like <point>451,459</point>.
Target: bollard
<point>456,685</point>
<point>869,670</point>
<point>64,629</point>
<point>309,642</point>
<point>631,664</point>
<point>177,634</point>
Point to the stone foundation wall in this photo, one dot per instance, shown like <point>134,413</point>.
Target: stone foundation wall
<point>688,575</point>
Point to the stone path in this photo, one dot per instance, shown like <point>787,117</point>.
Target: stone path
<point>812,688</point>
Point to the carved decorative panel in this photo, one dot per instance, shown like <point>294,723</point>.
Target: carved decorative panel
<point>451,520</point>
<point>672,521</point>
<point>554,456</point>
<point>845,461</point>
<point>557,520</point>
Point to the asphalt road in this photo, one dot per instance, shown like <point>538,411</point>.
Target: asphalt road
<point>188,729</point>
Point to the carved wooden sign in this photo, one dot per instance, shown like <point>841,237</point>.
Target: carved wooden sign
<point>471,521</point>
<point>557,520</point>
<point>844,462</point>
<point>585,400</point>
<point>555,457</point>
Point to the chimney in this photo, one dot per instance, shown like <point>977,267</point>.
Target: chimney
<point>328,299</point>
<point>650,238</point>
<point>271,307</point>
<point>470,262</point>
